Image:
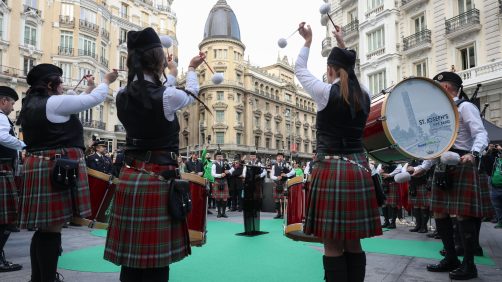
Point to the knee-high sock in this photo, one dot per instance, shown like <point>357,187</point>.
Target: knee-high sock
<point>356,266</point>
<point>129,274</point>
<point>4,235</point>
<point>160,274</point>
<point>445,231</point>
<point>48,251</point>
<point>36,276</point>
<point>335,269</point>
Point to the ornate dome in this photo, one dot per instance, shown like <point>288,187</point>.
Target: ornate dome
<point>222,22</point>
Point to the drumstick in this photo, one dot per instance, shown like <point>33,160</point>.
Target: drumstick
<point>75,89</point>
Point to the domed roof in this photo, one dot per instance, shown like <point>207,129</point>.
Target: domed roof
<point>222,22</point>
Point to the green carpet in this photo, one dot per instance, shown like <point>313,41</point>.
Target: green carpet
<point>253,258</point>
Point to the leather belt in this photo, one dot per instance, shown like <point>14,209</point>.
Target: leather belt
<point>155,157</point>
<point>334,157</point>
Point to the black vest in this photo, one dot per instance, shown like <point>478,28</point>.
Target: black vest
<point>279,170</point>
<point>8,153</point>
<point>147,129</point>
<point>41,134</point>
<point>337,132</point>
<point>219,168</point>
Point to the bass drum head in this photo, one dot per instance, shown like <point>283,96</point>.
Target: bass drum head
<point>420,118</point>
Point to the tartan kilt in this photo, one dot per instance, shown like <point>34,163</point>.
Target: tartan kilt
<point>41,205</point>
<point>9,201</point>
<point>342,202</point>
<point>487,207</point>
<point>393,192</point>
<point>220,194</point>
<point>464,198</point>
<point>422,199</point>
<point>141,232</point>
<point>279,195</point>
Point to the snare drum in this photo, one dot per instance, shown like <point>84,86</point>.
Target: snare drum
<point>294,211</point>
<point>196,219</point>
<point>416,120</point>
<point>101,190</point>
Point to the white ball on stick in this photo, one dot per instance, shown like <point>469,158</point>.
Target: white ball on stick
<point>402,177</point>
<point>325,8</point>
<point>282,42</point>
<point>450,158</point>
<point>166,41</point>
<point>217,78</point>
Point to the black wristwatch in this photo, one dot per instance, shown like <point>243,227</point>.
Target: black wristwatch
<point>475,154</point>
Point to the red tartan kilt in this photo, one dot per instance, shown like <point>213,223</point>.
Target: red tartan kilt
<point>392,192</point>
<point>342,202</point>
<point>466,195</point>
<point>41,205</point>
<point>141,232</point>
<point>220,194</point>
<point>487,207</point>
<point>8,196</point>
<point>422,199</point>
<point>279,195</point>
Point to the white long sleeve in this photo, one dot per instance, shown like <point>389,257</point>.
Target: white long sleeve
<point>397,170</point>
<point>6,139</point>
<point>175,99</point>
<point>60,107</point>
<point>213,172</point>
<point>472,135</point>
<point>170,81</point>
<point>272,174</point>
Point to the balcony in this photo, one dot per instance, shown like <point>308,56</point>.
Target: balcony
<point>87,53</point>
<point>346,3</point>
<point>164,8</point>
<point>29,42</point>
<point>462,24</point>
<point>105,34</point>
<point>120,128</point>
<point>9,71</point>
<point>95,124</point>
<point>65,51</point>
<point>374,11</point>
<point>103,61</point>
<point>148,2</point>
<point>67,21</point>
<point>376,53</point>
<point>417,42</point>
<point>89,27</point>
<point>482,73</point>
<point>407,5</point>
<point>28,10</point>
<point>351,30</point>
<point>326,46</point>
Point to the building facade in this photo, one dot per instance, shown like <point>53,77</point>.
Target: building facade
<point>254,107</point>
<point>399,39</point>
<point>81,37</point>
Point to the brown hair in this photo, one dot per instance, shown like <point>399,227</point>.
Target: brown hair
<point>345,87</point>
<point>152,61</point>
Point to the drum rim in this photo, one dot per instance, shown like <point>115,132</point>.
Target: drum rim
<point>192,177</point>
<point>295,180</point>
<point>389,135</point>
<point>101,175</point>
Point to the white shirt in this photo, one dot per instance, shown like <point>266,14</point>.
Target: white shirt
<point>219,175</point>
<point>472,135</point>
<point>307,169</point>
<point>397,170</point>
<point>289,174</point>
<point>60,107</point>
<point>319,90</point>
<point>6,139</point>
<point>262,174</point>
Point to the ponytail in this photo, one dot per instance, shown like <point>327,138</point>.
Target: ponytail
<point>346,85</point>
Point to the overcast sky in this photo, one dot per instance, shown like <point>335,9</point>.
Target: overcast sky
<point>262,23</point>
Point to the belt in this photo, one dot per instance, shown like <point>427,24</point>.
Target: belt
<point>56,156</point>
<point>334,157</point>
<point>5,172</point>
<point>162,176</point>
<point>155,157</point>
<point>460,152</point>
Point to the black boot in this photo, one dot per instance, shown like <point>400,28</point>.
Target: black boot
<point>478,251</point>
<point>160,274</point>
<point>35,267</point>
<point>468,270</point>
<point>450,262</point>
<point>392,217</point>
<point>281,210</point>
<point>278,209</point>
<point>385,211</point>
<point>335,269</point>
<point>6,266</point>
<point>224,208</point>
<point>48,251</point>
<point>218,205</point>
<point>417,213</point>
<point>356,266</point>
<point>425,219</point>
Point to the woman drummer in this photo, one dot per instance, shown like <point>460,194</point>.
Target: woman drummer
<point>342,208</point>
<point>51,129</point>
<point>142,236</point>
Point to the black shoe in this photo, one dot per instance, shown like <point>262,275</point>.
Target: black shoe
<point>219,215</point>
<point>465,272</point>
<point>13,228</point>
<point>432,235</point>
<point>7,266</point>
<point>415,229</point>
<point>444,265</point>
<point>233,209</point>
<point>59,277</point>
<point>224,215</point>
<point>277,216</point>
<point>74,224</point>
<point>209,212</point>
<point>385,224</point>
<point>239,210</point>
<point>392,224</point>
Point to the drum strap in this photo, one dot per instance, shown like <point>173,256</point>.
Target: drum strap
<point>163,176</point>
<point>346,160</point>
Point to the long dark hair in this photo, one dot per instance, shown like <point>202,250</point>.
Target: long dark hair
<point>151,61</point>
<point>39,88</point>
<point>349,84</point>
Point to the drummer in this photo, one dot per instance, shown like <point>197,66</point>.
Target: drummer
<point>51,130</point>
<point>279,174</point>
<point>147,109</point>
<point>342,206</point>
<point>465,196</point>
<point>392,192</point>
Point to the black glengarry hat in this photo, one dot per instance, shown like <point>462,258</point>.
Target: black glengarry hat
<point>41,71</point>
<point>346,59</point>
<point>8,92</point>
<point>448,76</point>
<point>143,40</point>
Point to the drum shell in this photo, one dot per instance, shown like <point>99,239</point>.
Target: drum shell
<point>99,184</point>
<point>196,219</point>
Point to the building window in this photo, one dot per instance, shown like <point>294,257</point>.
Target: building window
<point>239,98</point>
<point>305,133</point>
<point>30,34</point>
<point>306,148</point>
<point>267,142</point>
<point>28,64</point>
<point>124,11</point>
<point>377,82</point>
<point>277,109</point>
<point>220,116</point>
<point>220,96</point>
<point>101,113</point>
<point>86,46</point>
<point>373,4</point>
<point>267,124</point>
<point>122,36</point>
<point>82,72</point>
<point>238,116</point>
<point>421,68</point>
<point>86,116</point>
<point>257,141</point>
<point>67,10</point>
<point>220,54</point>
<point>88,15</point>
<point>287,113</point>
<point>468,57</point>
<point>238,138</point>
<point>375,40</point>
<point>267,106</point>
<point>123,62</point>
<point>220,137</point>
<point>277,143</point>
<point>419,23</point>
<point>66,67</point>
<point>464,5</point>
<point>30,3</point>
<point>287,98</point>
<point>66,42</point>
<point>257,121</point>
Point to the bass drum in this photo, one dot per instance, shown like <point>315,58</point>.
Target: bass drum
<point>197,218</point>
<point>416,120</point>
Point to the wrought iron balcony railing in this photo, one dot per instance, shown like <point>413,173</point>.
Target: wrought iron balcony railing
<point>65,51</point>
<point>351,27</point>
<point>419,38</point>
<point>466,19</point>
